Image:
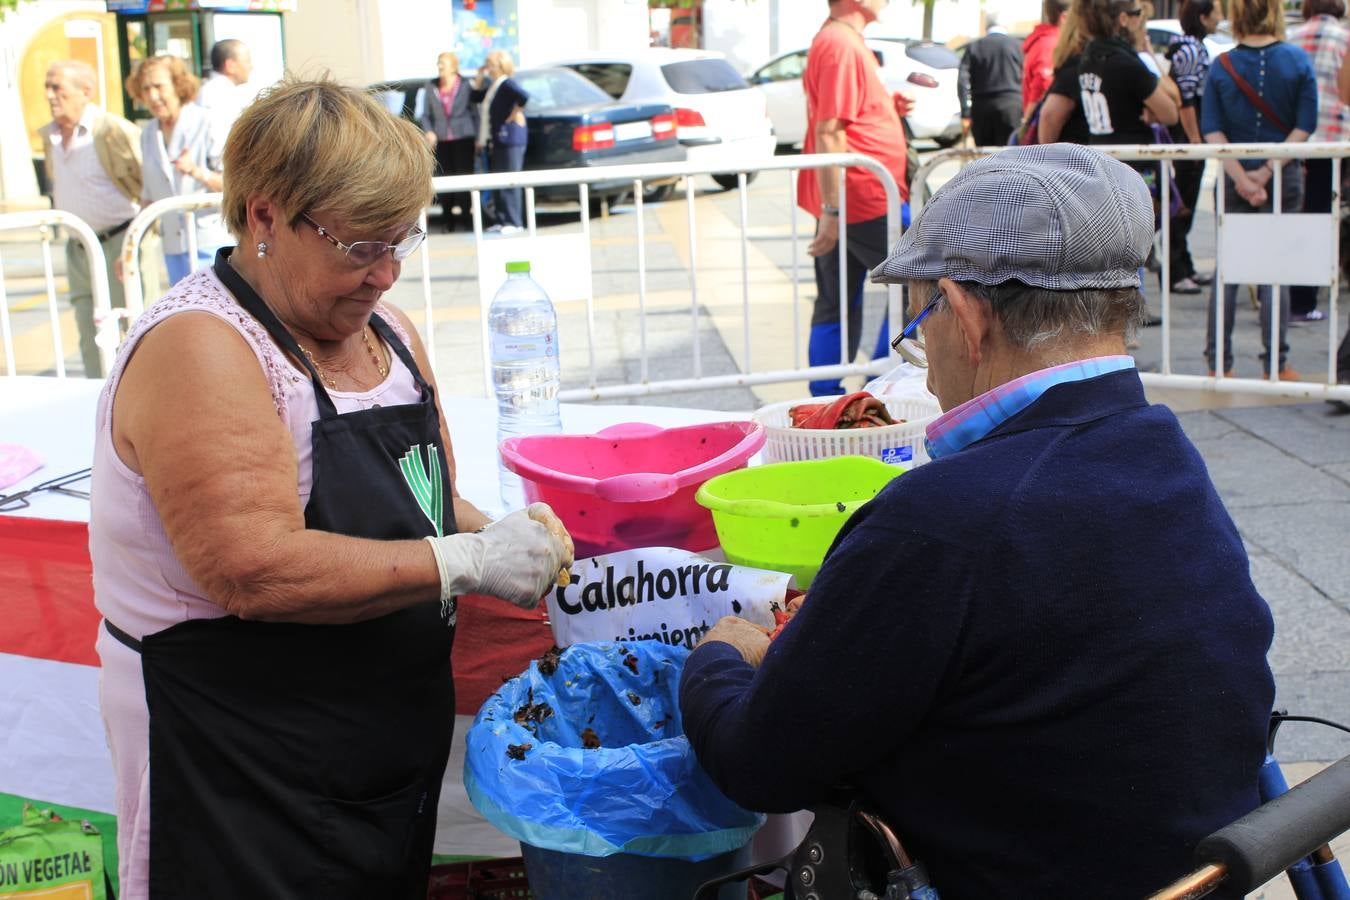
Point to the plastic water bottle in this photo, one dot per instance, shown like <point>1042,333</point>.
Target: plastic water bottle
<point>524,350</point>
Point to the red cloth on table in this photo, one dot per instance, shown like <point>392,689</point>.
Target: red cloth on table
<point>47,605</point>
<point>47,590</point>
<point>494,641</point>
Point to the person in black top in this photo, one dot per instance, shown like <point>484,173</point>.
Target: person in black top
<point>1114,85</point>
<point>990,86</point>
<point>1061,116</point>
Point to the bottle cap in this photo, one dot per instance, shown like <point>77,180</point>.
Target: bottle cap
<point>519,266</point>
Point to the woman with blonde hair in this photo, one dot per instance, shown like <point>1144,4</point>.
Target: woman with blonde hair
<point>450,121</point>
<point>1061,116</point>
<point>1262,91</point>
<point>501,131</point>
<point>181,151</point>
<point>277,540</point>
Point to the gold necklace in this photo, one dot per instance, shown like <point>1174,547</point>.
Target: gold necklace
<point>375,357</point>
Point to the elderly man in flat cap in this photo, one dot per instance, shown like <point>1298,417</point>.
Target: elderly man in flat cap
<point>1040,656</point>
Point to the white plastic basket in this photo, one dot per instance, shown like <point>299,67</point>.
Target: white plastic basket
<point>896,444</point>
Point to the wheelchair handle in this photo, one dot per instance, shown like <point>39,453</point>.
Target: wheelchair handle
<point>1270,838</point>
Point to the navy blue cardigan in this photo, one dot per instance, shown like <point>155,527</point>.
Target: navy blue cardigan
<point>508,97</point>
<point>1042,657</point>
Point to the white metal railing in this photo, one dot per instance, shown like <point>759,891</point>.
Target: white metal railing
<point>187,204</point>
<point>44,222</point>
<point>751,353</point>
<point>636,176</point>
<point>1269,267</point>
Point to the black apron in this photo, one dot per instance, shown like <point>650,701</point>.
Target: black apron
<point>305,761</point>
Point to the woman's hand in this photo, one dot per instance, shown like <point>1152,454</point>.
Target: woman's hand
<point>1251,189</point>
<point>184,165</point>
<point>430,137</point>
<point>516,558</point>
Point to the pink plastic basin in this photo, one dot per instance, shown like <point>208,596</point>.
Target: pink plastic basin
<point>631,485</point>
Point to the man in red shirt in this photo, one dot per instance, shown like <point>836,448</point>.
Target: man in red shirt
<point>848,110</point>
<point>1038,69</point>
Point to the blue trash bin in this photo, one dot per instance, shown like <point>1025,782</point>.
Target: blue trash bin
<point>623,876</point>
<point>634,817</point>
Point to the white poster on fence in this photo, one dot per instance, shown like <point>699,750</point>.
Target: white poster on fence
<point>659,593</point>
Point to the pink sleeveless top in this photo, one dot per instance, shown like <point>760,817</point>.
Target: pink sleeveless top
<point>139,584</point>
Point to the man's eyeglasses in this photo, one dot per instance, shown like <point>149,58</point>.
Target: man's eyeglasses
<point>365,253</point>
<point>909,343</point>
<point>1135,13</point>
<point>61,485</point>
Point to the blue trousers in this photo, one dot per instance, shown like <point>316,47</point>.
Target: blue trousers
<point>180,265</point>
<point>509,158</point>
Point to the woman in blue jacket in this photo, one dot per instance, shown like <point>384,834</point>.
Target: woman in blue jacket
<point>501,103</point>
<point>1281,75</point>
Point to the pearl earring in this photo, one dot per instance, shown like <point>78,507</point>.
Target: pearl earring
<point>262,249</point>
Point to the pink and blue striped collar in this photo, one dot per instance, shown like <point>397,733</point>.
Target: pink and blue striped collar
<point>960,427</point>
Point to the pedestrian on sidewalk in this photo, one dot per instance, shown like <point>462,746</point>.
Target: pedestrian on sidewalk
<point>1189,68</point>
<point>1062,116</point>
<point>226,90</point>
<point>181,149</point>
<point>1121,95</point>
<point>450,123</point>
<point>848,110</point>
<point>1038,68</point>
<point>1264,91</point>
<point>1325,39</point>
<point>501,130</point>
<point>93,164</point>
<point>990,86</point>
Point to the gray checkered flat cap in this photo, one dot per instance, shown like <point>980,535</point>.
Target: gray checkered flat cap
<point>1056,216</point>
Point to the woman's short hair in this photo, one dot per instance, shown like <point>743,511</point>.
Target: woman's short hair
<point>185,84</point>
<point>1334,8</point>
<point>504,61</point>
<point>320,146</point>
<point>1256,17</point>
<point>450,56</point>
<point>1053,324</point>
<point>1101,18</point>
<point>1192,11</point>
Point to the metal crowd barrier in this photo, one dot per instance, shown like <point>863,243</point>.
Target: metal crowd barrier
<point>44,222</point>
<point>751,371</point>
<point>1257,243</point>
<point>638,176</point>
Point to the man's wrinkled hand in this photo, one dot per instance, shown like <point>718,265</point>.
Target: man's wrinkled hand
<point>827,236</point>
<point>750,640</point>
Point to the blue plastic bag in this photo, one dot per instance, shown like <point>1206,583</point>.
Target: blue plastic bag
<point>641,792</point>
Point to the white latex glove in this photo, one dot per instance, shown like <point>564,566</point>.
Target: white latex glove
<point>516,558</point>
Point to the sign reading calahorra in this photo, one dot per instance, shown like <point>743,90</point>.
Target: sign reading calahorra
<point>659,593</point>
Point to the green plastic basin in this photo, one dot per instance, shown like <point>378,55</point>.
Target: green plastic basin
<point>784,516</point>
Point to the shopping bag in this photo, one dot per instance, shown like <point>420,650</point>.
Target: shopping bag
<point>51,858</point>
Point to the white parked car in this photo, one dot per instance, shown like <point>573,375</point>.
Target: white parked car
<point>921,69</point>
<point>719,118</point>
